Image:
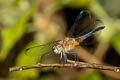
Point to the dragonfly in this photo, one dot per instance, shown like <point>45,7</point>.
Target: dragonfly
<point>74,38</point>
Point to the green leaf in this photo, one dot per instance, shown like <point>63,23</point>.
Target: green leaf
<point>12,35</point>
<point>75,3</point>
<point>116,41</point>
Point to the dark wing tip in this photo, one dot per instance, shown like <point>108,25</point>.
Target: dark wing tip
<point>99,28</point>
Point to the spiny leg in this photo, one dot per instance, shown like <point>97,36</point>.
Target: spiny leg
<point>61,56</point>
<point>65,58</point>
<point>75,55</point>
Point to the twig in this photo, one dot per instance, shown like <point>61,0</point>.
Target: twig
<point>70,63</point>
<point>88,57</point>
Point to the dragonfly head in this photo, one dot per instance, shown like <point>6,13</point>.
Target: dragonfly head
<point>58,49</point>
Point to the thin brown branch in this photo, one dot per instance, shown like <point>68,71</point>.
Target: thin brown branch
<point>71,64</point>
<point>88,57</point>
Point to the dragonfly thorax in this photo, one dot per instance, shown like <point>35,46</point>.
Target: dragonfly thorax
<point>58,49</point>
<point>65,45</point>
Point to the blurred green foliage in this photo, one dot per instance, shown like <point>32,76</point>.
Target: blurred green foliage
<point>15,20</point>
<point>91,75</point>
<point>116,41</point>
<point>75,3</point>
<point>13,34</point>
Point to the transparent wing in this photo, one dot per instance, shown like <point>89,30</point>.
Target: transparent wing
<point>39,50</point>
<point>50,57</point>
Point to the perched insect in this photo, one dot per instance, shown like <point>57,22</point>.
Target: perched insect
<point>65,46</point>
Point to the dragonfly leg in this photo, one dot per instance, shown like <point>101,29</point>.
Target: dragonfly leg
<point>65,58</point>
<point>61,56</point>
<point>75,55</point>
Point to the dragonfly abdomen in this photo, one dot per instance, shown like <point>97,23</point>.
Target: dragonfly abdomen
<point>81,38</point>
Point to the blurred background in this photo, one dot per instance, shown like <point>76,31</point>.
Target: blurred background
<point>27,23</point>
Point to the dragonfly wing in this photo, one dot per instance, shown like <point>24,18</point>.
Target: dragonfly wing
<point>39,50</point>
<point>84,23</point>
<point>49,58</point>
